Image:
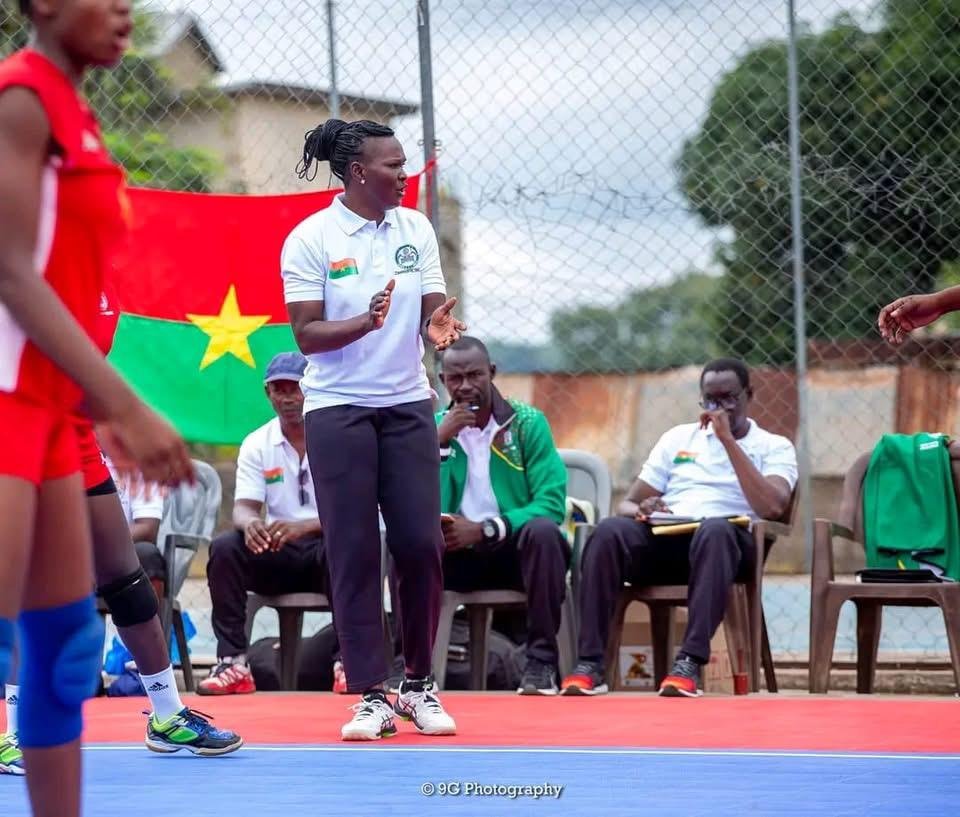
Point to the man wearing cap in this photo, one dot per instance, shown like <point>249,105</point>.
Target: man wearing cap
<point>276,545</point>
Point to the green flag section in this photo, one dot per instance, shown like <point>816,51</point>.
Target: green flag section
<point>201,304</point>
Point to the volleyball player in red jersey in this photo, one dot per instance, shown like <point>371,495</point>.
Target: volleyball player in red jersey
<point>128,592</point>
<point>61,209</point>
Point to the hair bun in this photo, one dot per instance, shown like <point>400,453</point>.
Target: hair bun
<point>329,131</point>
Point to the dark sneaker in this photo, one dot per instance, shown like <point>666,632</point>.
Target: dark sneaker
<point>683,680</point>
<point>586,679</point>
<point>192,731</point>
<point>538,679</point>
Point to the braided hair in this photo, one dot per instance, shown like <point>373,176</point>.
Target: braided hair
<point>339,143</point>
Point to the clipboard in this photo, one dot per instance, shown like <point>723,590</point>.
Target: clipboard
<point>690,527</point>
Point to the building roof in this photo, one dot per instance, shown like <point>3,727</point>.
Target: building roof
<point>172,27</point>
<point>306,95</point>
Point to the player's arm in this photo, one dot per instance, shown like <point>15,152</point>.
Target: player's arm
<point>639,492</point>
<point>33,304</point>
<point>138,438</point>
<point>314,334</point>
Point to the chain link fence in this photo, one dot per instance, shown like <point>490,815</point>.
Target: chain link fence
<point>614,202</point>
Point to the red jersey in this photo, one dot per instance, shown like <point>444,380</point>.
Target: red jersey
<point>83,212</point>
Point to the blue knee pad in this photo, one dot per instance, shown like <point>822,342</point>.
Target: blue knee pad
<point>62,650</point>
<point>6,648</point>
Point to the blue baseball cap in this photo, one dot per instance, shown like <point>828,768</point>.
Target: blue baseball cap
<point>285,366</point>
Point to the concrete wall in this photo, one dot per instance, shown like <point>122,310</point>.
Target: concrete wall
<point>620,417</point>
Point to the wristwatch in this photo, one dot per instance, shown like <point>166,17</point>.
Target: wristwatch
<point>491,532</point>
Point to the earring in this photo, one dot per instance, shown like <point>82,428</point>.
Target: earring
<point>363,181</point>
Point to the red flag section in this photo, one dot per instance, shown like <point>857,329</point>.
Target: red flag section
<point>187,249</point>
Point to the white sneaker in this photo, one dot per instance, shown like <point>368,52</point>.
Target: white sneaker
<point>417,701</point>
<point>372,720</point>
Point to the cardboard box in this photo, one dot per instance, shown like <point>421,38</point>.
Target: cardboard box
<point>718,673</point>
<point>635,668</point>
<point>636,641</point>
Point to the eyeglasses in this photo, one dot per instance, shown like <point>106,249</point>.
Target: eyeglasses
<point>717,401</point>
<point>304,497</point>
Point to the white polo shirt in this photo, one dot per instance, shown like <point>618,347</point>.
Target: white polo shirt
<point>269,470</point>
<point>340,258</point>
<point>692,469</point>
<point>137,501</point>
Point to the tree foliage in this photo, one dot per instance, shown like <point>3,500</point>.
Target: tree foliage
<point>131,101</point>
<point>880,171</point>
<point>658,327</point>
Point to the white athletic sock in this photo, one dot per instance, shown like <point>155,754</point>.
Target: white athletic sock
<point>12,694</point>
<point>164,696</point>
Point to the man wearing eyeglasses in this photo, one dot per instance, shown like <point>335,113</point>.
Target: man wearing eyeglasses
<point>721,467</point>
<point>276,545</point>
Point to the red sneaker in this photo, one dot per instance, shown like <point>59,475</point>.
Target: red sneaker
<point>228,679</point>
<point>683,680</point>
<point>586,679</point>
<point>339,678</point>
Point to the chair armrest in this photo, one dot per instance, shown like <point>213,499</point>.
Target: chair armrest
<point>581,532</point>
<point>184,540</point>
<point>836,529</point>
<point>772,528</point>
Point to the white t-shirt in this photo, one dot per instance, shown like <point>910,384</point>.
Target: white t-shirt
<point>137,499</point>
<point>340,258</point>
<point>269,471</point>
<point>692,469</point>
<point>479,501</point>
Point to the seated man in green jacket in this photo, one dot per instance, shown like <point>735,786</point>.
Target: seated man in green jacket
<point>503,495</point>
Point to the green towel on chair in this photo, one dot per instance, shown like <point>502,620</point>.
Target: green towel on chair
<point>909,506</point>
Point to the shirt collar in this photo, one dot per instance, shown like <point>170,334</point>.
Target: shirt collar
<point>351,222</point>
<point>275,433</point>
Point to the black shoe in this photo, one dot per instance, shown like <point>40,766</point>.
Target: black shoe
<point>538,679</point>
<point>683,680</point>
<point>586,679</point>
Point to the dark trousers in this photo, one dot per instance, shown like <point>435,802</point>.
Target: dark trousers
<point>533,560</point>
<point>298,567</point>
<point>360,457</point>
<point>622,550</point>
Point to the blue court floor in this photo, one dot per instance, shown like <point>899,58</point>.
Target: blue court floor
<point>291,781</point>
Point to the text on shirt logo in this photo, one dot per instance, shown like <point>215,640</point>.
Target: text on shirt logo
<point>407,257</point>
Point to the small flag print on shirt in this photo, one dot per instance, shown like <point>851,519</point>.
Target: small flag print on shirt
<point>341,269</point>
<point>684,456</point>
<point>272,475</point>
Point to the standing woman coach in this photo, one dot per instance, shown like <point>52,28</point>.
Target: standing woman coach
<point>364,288</point>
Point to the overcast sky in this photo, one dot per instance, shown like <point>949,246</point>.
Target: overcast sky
<point>561,123</point>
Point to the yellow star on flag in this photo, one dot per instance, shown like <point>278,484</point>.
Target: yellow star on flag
<point>229,331</point>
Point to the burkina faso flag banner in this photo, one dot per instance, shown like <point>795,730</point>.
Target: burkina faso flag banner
<point>201,301</point>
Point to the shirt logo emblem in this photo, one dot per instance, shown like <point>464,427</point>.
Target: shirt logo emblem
<point>407,257</point>
<point>684,456</point>
<point>272,475</point>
